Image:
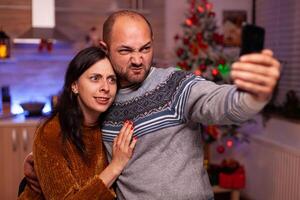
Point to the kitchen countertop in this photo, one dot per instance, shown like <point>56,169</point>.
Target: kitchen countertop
<point>19,120</point>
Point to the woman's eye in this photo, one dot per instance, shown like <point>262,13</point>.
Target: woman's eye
<point>112,80</point>
<point>94,78</point>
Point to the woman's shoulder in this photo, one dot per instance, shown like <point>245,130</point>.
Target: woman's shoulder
<point>49,132</point>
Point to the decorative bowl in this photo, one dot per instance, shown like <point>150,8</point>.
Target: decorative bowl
<point>33,108</point>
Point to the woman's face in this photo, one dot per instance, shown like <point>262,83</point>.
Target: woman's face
<point>96,89</point>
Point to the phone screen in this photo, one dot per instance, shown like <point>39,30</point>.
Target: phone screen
<point>252,39</point>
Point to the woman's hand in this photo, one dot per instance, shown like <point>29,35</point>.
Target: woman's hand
<point>122,151</point>
<point>123,147</point>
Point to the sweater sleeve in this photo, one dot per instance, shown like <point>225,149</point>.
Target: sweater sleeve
<point>210,103</point>
<point>57,181</point>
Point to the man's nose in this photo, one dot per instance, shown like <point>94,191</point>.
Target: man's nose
<point>136,58</point>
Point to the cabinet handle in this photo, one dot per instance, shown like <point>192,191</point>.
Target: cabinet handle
<point>14,140</point>
<point>25,139</point>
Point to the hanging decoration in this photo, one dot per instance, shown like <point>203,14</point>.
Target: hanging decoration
<point>4,45</point>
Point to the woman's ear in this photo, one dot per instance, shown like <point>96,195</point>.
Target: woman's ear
<point>74,88</point>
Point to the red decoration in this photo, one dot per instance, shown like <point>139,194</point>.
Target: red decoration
<point>183,65</point>
<point>220,149</point>
<point>197,72</point>
<point>209,6</point>
<point>212,14</point>
<point>229,143</point>
<point>219,39</point>
<point>194,49</point>
<point>235,180</point>
<point>213,131</point>
<point>189,22</point>
<point>202,67</point>
<point>215,72</point>
<point>179,52</point>
<point>200,9</point>
<point>176,37</point>
<point>186,41</point>
<point>47,44</point>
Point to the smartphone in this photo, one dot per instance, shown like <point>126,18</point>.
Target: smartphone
<point>252,39</point>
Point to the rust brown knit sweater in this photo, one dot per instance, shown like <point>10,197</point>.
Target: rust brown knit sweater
<point>61,172</point>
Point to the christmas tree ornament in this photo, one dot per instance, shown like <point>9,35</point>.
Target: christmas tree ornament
<point>197,72</point>
<point>220,149</point>
<point>200,9</point>
<point>214,72</point>
<point>229,143</point>
<point>202,67</point>
<point>189,22</point>
<point>224,69</point>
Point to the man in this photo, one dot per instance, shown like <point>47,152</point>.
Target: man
<point>166,106</point>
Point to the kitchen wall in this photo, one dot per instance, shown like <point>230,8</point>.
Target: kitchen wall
<point>36,76</point>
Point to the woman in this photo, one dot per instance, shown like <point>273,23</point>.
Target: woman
<point>69,156</point>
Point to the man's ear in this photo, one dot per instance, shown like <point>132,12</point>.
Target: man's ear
<point>103,44</point>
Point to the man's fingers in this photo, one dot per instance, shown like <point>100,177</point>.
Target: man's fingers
<point>261,59</point>
<point>254,68</point>
<point>268,52</point>
<point>253,88</point>
<point>263,80</point>
<point>34,188</point>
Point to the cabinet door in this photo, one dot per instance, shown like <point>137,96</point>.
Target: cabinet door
<point>10,162</point>
<point>16,144</point>
<point>26,137</point>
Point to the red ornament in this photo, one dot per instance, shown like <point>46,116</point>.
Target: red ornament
<point>202,67</point>
<point>176,37</point>
<point>197,72</point>
<point>219,39</point>
<point>186,41</point>
<point>189,22</point>
<point>215,72</point>
<point>179,52</point>
<point>229,143</point>
<point>220,149</point>
<point>209,6</point>
<point>200,9</point>
<point>212,14</point>
<point>183,65</point>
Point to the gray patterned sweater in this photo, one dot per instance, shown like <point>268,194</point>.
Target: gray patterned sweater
<point>166,110</point>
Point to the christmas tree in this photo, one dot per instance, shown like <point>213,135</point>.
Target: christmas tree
<point>200,49</point>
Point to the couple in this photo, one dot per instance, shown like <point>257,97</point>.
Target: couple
<point>165,106</point>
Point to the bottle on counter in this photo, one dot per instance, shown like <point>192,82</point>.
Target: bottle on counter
<point>6,100</point>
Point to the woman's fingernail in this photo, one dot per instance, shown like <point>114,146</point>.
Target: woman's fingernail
<point>135,138</point>
<point>132,127</point>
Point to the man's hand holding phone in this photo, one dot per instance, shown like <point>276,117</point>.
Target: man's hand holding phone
<point>257,71</point>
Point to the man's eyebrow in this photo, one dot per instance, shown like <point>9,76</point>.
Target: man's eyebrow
<point>147,44</point>
<point>124,47</point>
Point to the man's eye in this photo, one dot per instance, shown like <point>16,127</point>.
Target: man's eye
<point>146,49</point>
<point>124,51</point>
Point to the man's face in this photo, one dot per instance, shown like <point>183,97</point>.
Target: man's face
<point>131,50</point>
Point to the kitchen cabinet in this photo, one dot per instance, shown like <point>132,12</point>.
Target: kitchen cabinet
<point>16,138</point>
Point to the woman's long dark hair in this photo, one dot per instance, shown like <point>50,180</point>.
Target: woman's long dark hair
<point>68,110</point>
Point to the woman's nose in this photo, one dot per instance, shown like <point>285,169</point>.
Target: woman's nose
<point>104,86</point>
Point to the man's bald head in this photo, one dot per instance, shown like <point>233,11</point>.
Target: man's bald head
<point>110,21</point>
